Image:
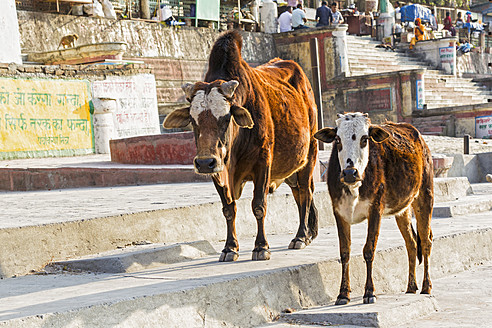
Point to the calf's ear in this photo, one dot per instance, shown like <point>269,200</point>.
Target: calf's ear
<point>188,88</point>
<point>326,135</point>
<point>242,117</point>
<point>177,119</point>
<point>378,134</point>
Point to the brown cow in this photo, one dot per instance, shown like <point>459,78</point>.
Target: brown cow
<point>253,124</point>
<point>378,170</point>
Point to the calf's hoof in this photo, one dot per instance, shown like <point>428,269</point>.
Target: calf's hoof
<point>412,288</point>
<point>299,243</point>
<point>261,254</point>
<point>426,288</point>
<point>369,299</point>
<point>342,300</point>
<point>228,256</point>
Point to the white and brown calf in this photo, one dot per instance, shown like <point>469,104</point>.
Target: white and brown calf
<point>374,171</point>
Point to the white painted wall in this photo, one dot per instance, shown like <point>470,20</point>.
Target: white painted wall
<point>10,51</point>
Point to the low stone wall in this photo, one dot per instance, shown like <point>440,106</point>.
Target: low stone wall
<point>440,53</point>
<point>450,121</point>
<point>168,148</point>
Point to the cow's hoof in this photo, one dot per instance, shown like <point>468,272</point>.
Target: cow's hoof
<point>230,256</point>
<point>412,288</point>
<point>342,301</point>
<point>369,299</point>
<point>261,255</point>
<point>298,243</point>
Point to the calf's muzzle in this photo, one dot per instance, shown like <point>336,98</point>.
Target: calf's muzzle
<point>350,175</point>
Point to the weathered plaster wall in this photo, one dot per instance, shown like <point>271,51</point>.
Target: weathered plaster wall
<point>474,63</point>
<point>176,55</point>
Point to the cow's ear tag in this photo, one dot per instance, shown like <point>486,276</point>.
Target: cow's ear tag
<point>326,135</point>
<point>378,134</point>
<point>177,119</point>
<point>242,117</point>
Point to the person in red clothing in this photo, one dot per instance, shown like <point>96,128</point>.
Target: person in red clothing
<point>448,24</point>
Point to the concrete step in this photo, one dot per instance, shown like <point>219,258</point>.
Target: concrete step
<point>388,311</point>
<point>56,226</point>
<point>475,292</point>
<point>469,204</point>
<point>132,258</point>
<point>254,292</point>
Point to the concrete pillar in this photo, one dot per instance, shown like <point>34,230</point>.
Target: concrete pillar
<point>340,42</point>
<point>268,16</point>
<point>10,51</point>
<point>103,123</point>
<point>386,21</point>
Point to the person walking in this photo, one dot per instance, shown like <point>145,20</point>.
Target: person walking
<point>285,20</point>
<point>299,18</point>
<point>323,15</point>
<point>337,17</point>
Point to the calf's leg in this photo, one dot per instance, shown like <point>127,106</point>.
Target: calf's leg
<point>404,221</point>
<point>373,227</point>
<point>344,242</point>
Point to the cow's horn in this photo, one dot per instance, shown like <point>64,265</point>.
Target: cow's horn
<point>188,89</point>
<point>229,87</point>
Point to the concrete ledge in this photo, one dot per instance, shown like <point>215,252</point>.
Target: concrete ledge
<point>136,258</point>
<point>389,311</point>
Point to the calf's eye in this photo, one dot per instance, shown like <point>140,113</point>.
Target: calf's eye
<point>363,141</point>
<point>338,142</point>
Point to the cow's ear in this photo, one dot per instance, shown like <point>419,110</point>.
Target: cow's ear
<point>188,89</point>
<point>177,119</point>
<point>326,135</point>
<point>229,87</point>
<point>378,134</point>
<point>242,117</point>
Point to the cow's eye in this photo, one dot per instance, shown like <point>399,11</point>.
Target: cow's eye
<point>338,142</point>
<point>363,141</point>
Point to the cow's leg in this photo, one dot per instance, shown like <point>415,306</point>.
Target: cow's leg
<point>422,208</point>
<point>404,221</point>
<point>373,227</point>
<point>259,206</point>
<point>344,242</point>
<point>302,186</point>
<point>231,248</point>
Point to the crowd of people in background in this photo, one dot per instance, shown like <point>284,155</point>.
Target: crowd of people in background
<point>295,19</point>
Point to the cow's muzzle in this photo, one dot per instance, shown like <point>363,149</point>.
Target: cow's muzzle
<point>350,175</point>
<point>206,165</point>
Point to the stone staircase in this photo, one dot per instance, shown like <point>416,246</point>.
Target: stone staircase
<point>441,90</point>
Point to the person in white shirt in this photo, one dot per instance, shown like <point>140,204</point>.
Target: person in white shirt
<point>336,15</point>
<point>285,20</point>
<point>299,18</point>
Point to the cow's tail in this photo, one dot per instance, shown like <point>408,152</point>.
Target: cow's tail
<point>419,245</point>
